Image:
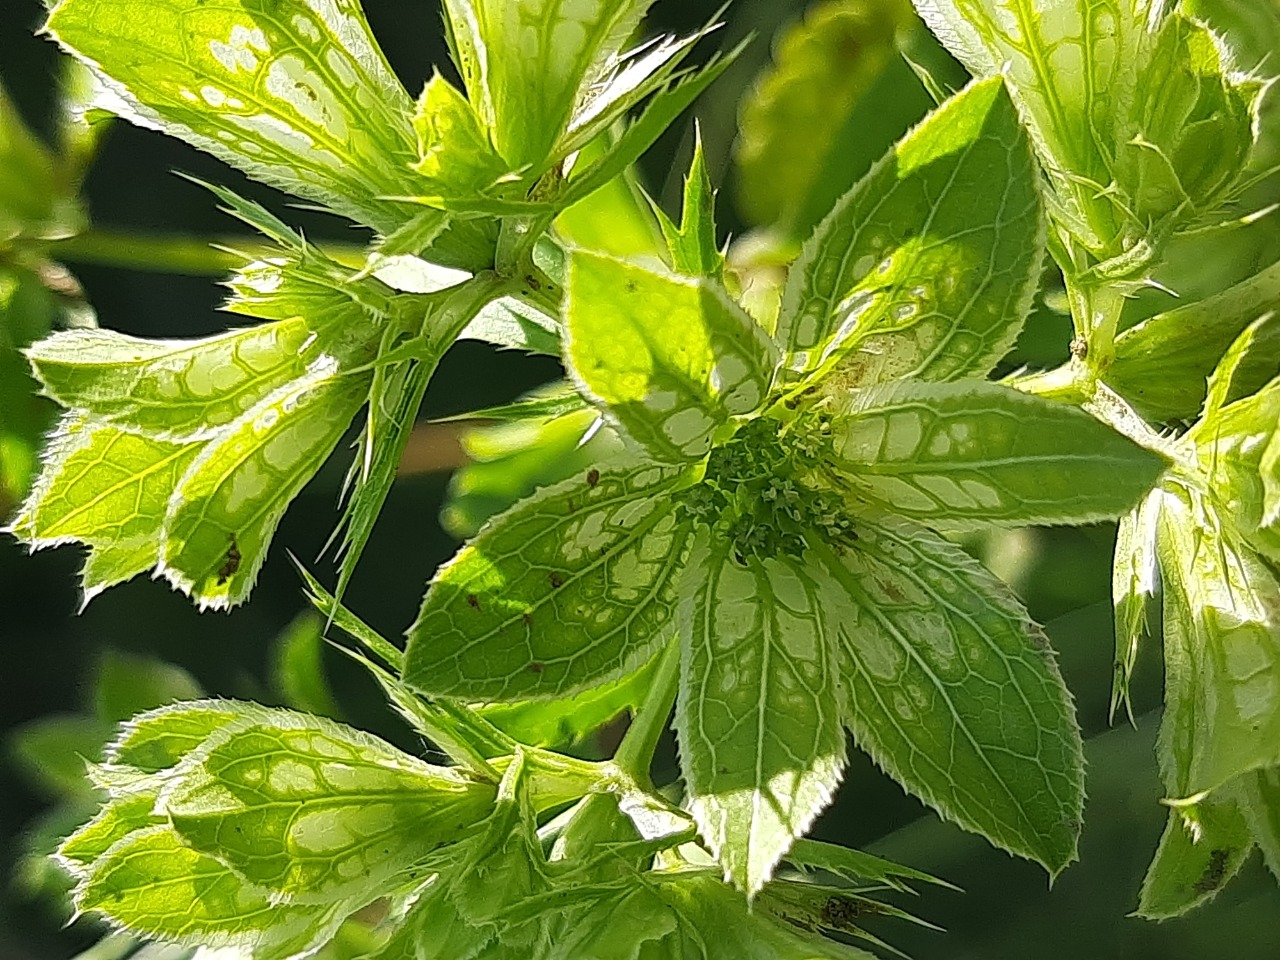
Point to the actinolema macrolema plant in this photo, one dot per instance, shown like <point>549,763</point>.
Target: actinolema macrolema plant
<point>766,548</point>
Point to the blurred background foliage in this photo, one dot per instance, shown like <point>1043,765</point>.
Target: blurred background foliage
<point>818,96</point>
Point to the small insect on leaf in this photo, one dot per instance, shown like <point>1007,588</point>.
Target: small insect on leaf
<point>556,580</point>
<point>1214,873</point>
<point>231,564</point>
<point>593,477</point>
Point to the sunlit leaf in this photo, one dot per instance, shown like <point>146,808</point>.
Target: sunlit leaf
<point>315,810</point>
<point>927,267</point>
<point>455,154</point>
<point>158,739</point>
<point>153,885</point>
<point>761,744</point>
<point>692,245</point>
<point>669,359</point>
<point>174,389</point>
<point>110,489</point>
<point>974,452</point>
<point>115,821</point>
<point>573,586</point>
<point>527,65</point>
<point>953,690</point>
<point>561,722</point>
<point>295,93</point>
<point>1221,650</point>
<point>224,512</point>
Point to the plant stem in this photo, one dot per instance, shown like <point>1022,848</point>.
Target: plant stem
<point>175,253</point>
<point>1095,313</point>
<point>635,753</point>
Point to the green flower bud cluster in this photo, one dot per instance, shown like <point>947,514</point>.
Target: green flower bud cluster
<point>755,492</point>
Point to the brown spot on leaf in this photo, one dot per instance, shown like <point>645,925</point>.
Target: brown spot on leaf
<point>231,563</point>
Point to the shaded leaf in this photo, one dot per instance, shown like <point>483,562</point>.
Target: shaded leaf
<point>953,690</point>
<point>1203,847</point>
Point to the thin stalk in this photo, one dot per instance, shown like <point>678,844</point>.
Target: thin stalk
<point>1095,312</point>
<point>635,753</point>
<point>176,253</point>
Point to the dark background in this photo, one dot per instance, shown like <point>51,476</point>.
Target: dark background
<point>49,654</point>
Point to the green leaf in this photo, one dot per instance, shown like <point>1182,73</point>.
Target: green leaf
<point>128,684</point>
<point>855,866</point>
<point>175,389</point>
<point>1069,90</point>
<point>455,154</point>
<point>108,488</point>
<point>1249,363</point>
<point>509,461</point>
<point>1135,119</point>
<point>1233,447</point>
<point>761,745</point>
<point>153,885</point>
<point>673,96</point>
<point>1203,847</point>
<point>1187,135</point>
<point>974,452</point>
<point>1221,651</point>
<point>836,95</point>
<point>35,200</point>
<point>564,722</point>
<point>529,65</point>
<point>158,739</point>
<point>714,921</point>
<point>614,219</point>
<point>224,512</point>
<point>669,359</point>
<point>1134,584</point>
<point>1259,797</point>
<point>295,93</point>
<point>510,324</point>
<point>27,311</point>
<point>81,851</point>
<point>692,245</point>
<point>928,266</point>
<point>314,810</point>
<point>572,587</point>
<point>953,690</point>
<point>1161,364</point>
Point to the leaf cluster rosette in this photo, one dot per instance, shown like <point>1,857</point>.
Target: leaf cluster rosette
<point>777,516</point>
